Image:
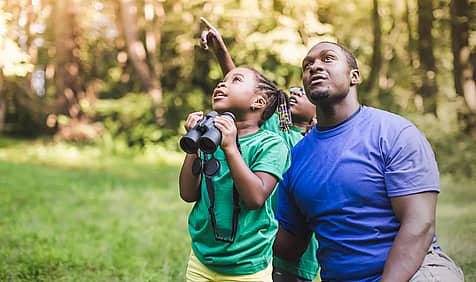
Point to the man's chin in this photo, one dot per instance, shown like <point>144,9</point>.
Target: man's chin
<point>318,96</point>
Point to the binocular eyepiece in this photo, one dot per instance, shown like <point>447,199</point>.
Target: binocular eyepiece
<point>204,135</point>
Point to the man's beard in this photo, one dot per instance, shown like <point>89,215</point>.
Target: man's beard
<point>317,96</point>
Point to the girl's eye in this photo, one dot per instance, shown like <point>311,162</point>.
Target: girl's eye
<point>236,78</point>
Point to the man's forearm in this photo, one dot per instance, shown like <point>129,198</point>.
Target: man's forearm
<point>408,251</point>
<point>290,246</point>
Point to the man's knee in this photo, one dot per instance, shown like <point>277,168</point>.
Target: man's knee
<point>437,266</point>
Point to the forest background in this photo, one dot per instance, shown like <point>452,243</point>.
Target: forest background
<point>91,89</point>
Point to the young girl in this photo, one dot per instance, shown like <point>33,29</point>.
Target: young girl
<point>303,114</point>
<point>232,224</point>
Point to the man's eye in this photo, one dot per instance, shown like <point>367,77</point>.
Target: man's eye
<point>307,65</point>
<point>328,58</point>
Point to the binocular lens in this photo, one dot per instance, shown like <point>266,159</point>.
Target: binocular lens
<point>189,145</point>
<point>208,145</point>
<point>210,140</point>
<point>204,135</point>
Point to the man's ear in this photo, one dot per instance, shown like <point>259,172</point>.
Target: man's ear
<point>354,77</point>
<point>259,103</point>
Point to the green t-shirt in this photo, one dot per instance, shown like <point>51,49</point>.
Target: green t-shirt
<point>308,266</point>
<point>290,137</point>
<point>251,250</point>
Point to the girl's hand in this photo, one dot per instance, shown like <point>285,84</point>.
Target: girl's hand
<point>211,38</point>
<point>192,120</point>
<point>228,130</point>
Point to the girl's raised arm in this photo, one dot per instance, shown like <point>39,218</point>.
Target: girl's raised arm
<point>211,39</point>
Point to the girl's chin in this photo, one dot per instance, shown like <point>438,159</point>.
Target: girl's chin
<point>219,108</point>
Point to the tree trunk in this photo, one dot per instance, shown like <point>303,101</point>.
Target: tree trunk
<point>374,76</point>
<point>463,71</point>
<point>3,104</point>
<point>67,75</point>
<point>66,67</point>
<point>136,51</point>
<point>428,88</point>
<point>411,48</point>
<point>411,41</point>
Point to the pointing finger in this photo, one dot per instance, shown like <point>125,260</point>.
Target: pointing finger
<point>206,23</point>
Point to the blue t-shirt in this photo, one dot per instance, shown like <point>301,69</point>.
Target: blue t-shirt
<point>340,183</point>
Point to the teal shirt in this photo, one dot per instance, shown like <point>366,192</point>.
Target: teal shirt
<point>251,250</point>
<point>290,137</point>
<point>308,266</point>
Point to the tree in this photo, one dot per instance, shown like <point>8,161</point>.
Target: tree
<point>428,88</point>
<point>69,85</point>
<point>13,62</point>
<point>376,62</point>
<point>3,103</point>
<point>463,71</point>
<point>147,76</point>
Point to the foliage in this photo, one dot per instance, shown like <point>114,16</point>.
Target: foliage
<point>129,120</point>
<point>454,150</point>
<point>13,61</point>
<point>271,36</point>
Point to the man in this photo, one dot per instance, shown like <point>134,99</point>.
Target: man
<point>364,181</point>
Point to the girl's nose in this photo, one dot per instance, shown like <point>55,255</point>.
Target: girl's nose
<point>221,84</point>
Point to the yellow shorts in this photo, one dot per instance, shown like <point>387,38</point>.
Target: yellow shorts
<point>197,272</point>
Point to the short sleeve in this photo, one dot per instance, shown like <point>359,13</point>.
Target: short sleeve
<point>272,156</point>
<point>287,212</point>
<point>410,165</point>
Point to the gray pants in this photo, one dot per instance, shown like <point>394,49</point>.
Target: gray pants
<point>438,267</point>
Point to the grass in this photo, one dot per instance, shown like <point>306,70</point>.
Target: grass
<point>117,221</point>
<point>76,214</point>
<point>456,222</point>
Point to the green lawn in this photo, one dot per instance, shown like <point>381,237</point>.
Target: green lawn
<point>121,220</point>
<point>69,214</point>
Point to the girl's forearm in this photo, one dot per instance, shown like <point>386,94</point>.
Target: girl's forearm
<point>224,59</point>
<point>189,183</point>
<point>250,186</point>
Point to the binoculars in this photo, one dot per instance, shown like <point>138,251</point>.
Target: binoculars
<point>204,135</point>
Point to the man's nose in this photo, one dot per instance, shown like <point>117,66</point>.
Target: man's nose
<point>315,67</point>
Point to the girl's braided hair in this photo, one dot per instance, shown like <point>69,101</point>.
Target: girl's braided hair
<point>277,100</point>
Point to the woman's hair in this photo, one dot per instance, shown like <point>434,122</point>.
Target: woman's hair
<point>277,100</point>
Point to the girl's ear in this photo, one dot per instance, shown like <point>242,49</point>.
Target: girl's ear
<point>258,103</point>
<point>354,77</point>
